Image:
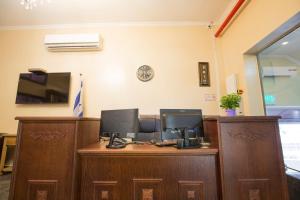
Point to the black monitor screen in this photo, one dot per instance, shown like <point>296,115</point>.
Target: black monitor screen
<point>179,119</point>
<point>119,121</point>
<point>43,88</point>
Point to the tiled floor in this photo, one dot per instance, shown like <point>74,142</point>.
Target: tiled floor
<point>4,186</point>
<point>294,185</point>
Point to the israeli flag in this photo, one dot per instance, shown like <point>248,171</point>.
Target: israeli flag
<point>78,104</point>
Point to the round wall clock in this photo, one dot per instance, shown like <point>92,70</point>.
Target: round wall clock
<point>145,73</point>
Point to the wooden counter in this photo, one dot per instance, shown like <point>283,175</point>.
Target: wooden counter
<point>143,149</point>
<point>148,172</point>
<point>58,158</point>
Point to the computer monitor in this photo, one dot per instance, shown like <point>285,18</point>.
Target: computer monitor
<point>172,119</point>
<point>119,121</point>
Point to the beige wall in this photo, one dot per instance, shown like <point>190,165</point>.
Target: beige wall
<point>257,20</point>
<point>110,75</point>
<point>173,52</point>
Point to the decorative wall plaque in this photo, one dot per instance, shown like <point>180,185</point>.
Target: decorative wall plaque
<point>204,77</point>
<point>145,73</point>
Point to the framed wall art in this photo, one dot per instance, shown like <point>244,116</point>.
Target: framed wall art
<point>204,77</point>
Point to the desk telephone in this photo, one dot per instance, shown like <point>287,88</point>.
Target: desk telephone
<point>185,142</point>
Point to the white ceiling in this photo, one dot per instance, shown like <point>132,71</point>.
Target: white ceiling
<point>99,11</point>
<point>290,50</point>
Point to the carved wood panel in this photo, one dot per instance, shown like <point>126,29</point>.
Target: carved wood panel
<point>147,189</point>
<point>42,190</point>
<point>105,190</point>
<point>191,190</point>
<point>45,151</point>
<point>244,133</point>
<point>42,195</point>
<point>254,194</point>
<point>254,189</point>
<point>149,176</point>
<point>251,151</point>
<point>47,135</point>
<point>147,194</point>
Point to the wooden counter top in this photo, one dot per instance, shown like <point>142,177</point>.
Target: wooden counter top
<point>143,149</point>
<point>61,118</point>
<point>205,117</point>
<point>226,119</point>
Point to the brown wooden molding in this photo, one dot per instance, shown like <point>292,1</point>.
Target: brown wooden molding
<point>59,118</point>
<point>47,135</point>
<point>246,134</point>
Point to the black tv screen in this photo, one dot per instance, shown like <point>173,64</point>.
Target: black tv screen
<point>49,88</point>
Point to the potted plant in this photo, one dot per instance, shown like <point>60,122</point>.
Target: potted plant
<point>230,102</point>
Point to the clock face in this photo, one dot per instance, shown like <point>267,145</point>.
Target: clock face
<point>145,73</point>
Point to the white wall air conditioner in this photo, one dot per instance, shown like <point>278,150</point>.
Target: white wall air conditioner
<point>73,42</point>
<point>279,71</point>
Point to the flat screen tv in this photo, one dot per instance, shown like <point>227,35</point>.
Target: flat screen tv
<point>48,88</point>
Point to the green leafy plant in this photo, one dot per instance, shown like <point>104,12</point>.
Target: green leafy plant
<point>230,101</point>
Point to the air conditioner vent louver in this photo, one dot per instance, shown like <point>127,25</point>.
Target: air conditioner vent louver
<point>279,71</point>
<point>74,42</point>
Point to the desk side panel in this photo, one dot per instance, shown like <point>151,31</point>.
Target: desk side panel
<point>252,164</point>
<point>44,164</point>
<point>211,132</point>
<point>87,132</point>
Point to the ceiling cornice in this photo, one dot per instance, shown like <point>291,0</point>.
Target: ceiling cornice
<point>106,24</point>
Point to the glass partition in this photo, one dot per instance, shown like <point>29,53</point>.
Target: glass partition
<point>279,66</point>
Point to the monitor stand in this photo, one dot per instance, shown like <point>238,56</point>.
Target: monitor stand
<point>116,142</point>
<point>186,142</point>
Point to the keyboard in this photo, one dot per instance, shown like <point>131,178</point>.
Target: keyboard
<point>165,143</point>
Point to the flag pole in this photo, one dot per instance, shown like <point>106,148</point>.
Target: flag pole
<point>78,103</point>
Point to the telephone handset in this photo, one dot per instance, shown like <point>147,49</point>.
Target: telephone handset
<point>116,142</point>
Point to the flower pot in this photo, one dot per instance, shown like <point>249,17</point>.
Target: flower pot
<point>230,112</point>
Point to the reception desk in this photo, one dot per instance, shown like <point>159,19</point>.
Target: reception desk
<point>60,159</point>
<point>148,172</point>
